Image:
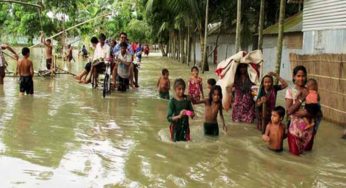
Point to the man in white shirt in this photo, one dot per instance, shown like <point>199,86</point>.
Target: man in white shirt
<point>2,61</point>
<point>101,54</point>
<point>123,62</point>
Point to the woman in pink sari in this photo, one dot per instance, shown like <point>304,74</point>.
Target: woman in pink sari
<point>299,137</point>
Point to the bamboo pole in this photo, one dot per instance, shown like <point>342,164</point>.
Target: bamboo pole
<point>237,33</point>
<point>260,27</point>
<point>280,37</point>
<point>260,47</point>
<point>204,57</point>
<point>61,32</point>
<point>22,3</point>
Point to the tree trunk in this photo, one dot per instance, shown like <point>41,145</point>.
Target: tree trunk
<point>189,49</point>
<point>205,66</point>
<point>161,46</point>
<point>187,46</point>
<point>260,26</point>
<point>194,50</point>
<point>280,37</point>
<point>181,49</point>
<point>238,29</point>
<point>260,30</point>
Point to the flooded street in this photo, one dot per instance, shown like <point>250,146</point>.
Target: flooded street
<point>68,135</point>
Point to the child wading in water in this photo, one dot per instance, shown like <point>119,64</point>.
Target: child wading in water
<point>195,86</point>
<point>275,131</point>
<point>179,110</point>
<point>26,72</point>
<point>213,106</point>
<point>163,84</point>
<point>267,94</point>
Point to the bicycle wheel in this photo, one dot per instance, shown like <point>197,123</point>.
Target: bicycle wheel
<point>105,86</point>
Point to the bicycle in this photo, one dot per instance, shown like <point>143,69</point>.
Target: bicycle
<point>107,80</point>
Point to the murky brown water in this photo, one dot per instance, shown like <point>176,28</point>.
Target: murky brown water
<point>67,135</point>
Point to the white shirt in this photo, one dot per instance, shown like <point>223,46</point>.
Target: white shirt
<point>123,70</point>
<point>101,51</point>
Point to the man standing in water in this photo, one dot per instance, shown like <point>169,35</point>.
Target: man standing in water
<point>116,50</point>
<point>49,51</point>
<point>2,61</point>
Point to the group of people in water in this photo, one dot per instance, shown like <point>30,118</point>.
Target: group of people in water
<point>124,58</point>
<point>302,100</point>
<point>302,107</point>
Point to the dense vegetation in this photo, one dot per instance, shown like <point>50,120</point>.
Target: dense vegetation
<point>171,23</point>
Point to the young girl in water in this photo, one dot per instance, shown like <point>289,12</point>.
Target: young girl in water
<point>195,86</point>
<point>275,130</point>
<point>267,95</point>
<point>179,111</point>
<point>213,106</point>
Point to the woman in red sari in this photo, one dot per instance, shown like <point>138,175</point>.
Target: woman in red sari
<point>299,139</point>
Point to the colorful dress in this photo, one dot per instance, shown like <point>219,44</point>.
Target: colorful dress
<point>195,86</point>
<point>243,108</point>
<point>179,129</point>
<point>299,139</point>
<point>270,105</point>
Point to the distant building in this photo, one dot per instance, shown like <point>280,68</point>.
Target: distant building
<point>324,26</point>
<point>292,43</point>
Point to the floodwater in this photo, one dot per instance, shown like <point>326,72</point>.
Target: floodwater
<point>67,135</point>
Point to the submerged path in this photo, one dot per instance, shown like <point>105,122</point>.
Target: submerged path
<point>67,135</point>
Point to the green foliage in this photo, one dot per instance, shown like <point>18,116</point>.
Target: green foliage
<point>126,15</point>
<point>137,30</point>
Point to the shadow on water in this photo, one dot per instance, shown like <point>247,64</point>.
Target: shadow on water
<point>68,135</point>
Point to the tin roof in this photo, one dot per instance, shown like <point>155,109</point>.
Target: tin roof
<point>291,24</point>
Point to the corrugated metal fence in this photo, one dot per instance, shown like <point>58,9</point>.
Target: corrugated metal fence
<point>330,72</point>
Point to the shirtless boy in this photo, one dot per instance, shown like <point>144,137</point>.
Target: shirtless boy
<point>275,131</point>
<point>49,51</point>
<point>163,84</point>
<point>26,72</point>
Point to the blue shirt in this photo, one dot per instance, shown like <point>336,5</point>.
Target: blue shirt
<point>117,48</point>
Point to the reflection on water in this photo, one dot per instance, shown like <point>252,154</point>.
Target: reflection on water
<point>68,135</point>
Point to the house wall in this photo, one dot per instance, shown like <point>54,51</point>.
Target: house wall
<point>324,26</point>
<point>292,43</point>
<point>325,41</point>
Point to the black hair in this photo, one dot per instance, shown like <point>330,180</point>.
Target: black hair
<point>215,88</point>
<point>262,82</point>
<point>280,110</point>
<point>94,40</point>
<point>122,33</point>
<point>243,87</point>
<point>164,71</point>
<point>25,51</point>
<point>194,67</point>
<point>179,82</point>
<point>314,82</point>
<point>102,36</point>
<point>123,45</point>
<point>297,69</point>
<point>48,40</point>
<point>211,81</point>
